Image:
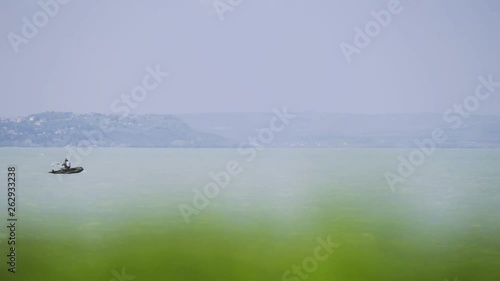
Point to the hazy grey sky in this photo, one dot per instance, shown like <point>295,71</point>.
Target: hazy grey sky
<point>265,53</point>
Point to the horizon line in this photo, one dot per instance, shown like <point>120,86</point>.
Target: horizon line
<point>243,112</point>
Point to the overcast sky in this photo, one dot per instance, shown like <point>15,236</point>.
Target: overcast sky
<point>264,54</point>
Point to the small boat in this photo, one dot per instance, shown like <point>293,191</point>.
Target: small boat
<point>74,170</point>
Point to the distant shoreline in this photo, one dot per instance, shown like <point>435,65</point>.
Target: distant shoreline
<point>234,130</point>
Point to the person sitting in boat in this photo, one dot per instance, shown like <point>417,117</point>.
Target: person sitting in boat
<point>66,164</point>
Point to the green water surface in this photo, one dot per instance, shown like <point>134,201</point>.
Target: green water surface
<point>122,213</point>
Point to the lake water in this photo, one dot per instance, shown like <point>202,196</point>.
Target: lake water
<point>122,213</point>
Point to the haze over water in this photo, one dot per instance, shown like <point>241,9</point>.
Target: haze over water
<point>122,212</point>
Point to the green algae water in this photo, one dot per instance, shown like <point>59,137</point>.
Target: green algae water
<point>120,218</point>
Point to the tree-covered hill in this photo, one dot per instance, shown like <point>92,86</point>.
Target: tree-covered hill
<point>57,129</point>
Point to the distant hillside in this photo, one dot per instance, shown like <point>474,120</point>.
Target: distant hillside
<point>56,129</point>
<point>311,129</point>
